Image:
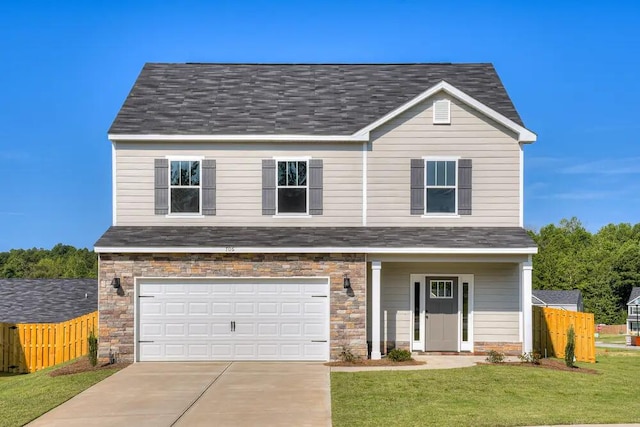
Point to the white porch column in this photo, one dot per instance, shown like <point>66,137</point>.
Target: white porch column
<point>527,315</point>
<point>376,266</point>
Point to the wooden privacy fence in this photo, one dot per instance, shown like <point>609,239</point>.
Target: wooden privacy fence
<point>28,347</point>
<point>550,327</point>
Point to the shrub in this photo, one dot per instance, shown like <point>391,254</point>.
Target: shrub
<point>93,349</point>
<point>398,355</point>
<point>495,357</point>
<point>570,348</point>
<point>347,355</point>
<point>532,357</point>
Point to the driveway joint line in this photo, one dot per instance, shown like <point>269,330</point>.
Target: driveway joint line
<point>201,394</point>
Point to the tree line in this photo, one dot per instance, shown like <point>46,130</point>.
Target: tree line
<point>604,265</point>
<point>62,261</point>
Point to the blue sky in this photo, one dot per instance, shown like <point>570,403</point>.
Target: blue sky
<point>571,67</point>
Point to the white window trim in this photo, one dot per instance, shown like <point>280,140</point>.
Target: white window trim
<point>292,214</point>
<point>185,214</point>
<point>446,282</point>
<point>453,214</point>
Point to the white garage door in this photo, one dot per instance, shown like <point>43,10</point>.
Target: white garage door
<point>257,319</point>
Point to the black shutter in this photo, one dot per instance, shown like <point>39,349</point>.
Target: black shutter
<point>464,187</point>
<point>268,187</point>
<point>417,187</point>
<point>161,188</point>
<point>208,187</point>
<point>315,187</point>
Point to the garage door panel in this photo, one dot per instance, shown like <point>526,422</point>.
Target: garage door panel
<point>268,289</point>
<point>268,329</point>
<point>315,329</point>
<point>151,308</point>
<point>175,308</point>
<point>273,321</point>
<point>314,307</point>
<point>266,308</point>
<point>291,308</point>
<point>221,329</point>
<point>175,330</point>
<point>314,289</point>
<point>198,350</point>
<point>151,330</point>
<point>198,308</point>
<point>150,351</point>
<point>198,330</point>
<point>221,308</point>
<point>176,290</point>
<point>175,350</point>
<point>245,329</point>
<point>244,308</point>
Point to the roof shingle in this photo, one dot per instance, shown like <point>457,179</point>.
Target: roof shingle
<point>315,237</point>
<point>557,297</point>
<point>46,300</point>
<point>296,99</point>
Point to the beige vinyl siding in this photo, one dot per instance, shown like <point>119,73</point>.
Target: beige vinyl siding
<point>493,149</point>
<point>496,298</point>
<point>239,182</point>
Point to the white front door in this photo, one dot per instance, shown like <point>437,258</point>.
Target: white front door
<point>233,319</point>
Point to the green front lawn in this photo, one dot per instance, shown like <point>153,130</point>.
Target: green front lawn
<point>490,395</point>
<point>612,338</point>
<point>26,397</point>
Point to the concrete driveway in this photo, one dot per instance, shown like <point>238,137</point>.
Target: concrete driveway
<point>202,394</point>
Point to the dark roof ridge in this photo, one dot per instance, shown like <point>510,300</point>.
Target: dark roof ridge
<point>325,63</point>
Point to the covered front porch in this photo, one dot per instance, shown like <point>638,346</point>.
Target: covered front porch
<point>451,303</point>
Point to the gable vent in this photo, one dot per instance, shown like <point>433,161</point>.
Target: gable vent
<point>442,112</point>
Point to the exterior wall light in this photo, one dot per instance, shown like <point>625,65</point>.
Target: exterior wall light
<point>346,282</point>
<point>116,283</point>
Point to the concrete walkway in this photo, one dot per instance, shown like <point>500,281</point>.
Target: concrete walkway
<point>432,362</point>
<point>196,394</point>
<point>620,346</point>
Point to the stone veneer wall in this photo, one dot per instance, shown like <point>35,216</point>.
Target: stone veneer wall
<point>116,322</point>
<point>508,348</point>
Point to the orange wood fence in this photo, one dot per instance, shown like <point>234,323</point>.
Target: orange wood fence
<point>28,347</point>
<point>550,327</point>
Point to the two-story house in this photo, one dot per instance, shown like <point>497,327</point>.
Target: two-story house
<point>633,312</point>
<point>294,211</point>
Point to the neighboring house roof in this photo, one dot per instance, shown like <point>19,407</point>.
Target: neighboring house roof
<point>635,293</point>
<point>290,99</point>
<point>557,297</point>
<point>316,239</point>
<point>46,300</point>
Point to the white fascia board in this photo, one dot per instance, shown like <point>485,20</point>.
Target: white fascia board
<point>539,300</point>
<point>367,250</point>
<point>214,138</point>
<point>634,301</point>
<point>524,135</point>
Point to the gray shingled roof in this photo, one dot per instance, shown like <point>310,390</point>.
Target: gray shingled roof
<point>557,297</point>
<point>316,237</point>
<point>320,99</point>
<point>46,300</point>
<point>635,293</point>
